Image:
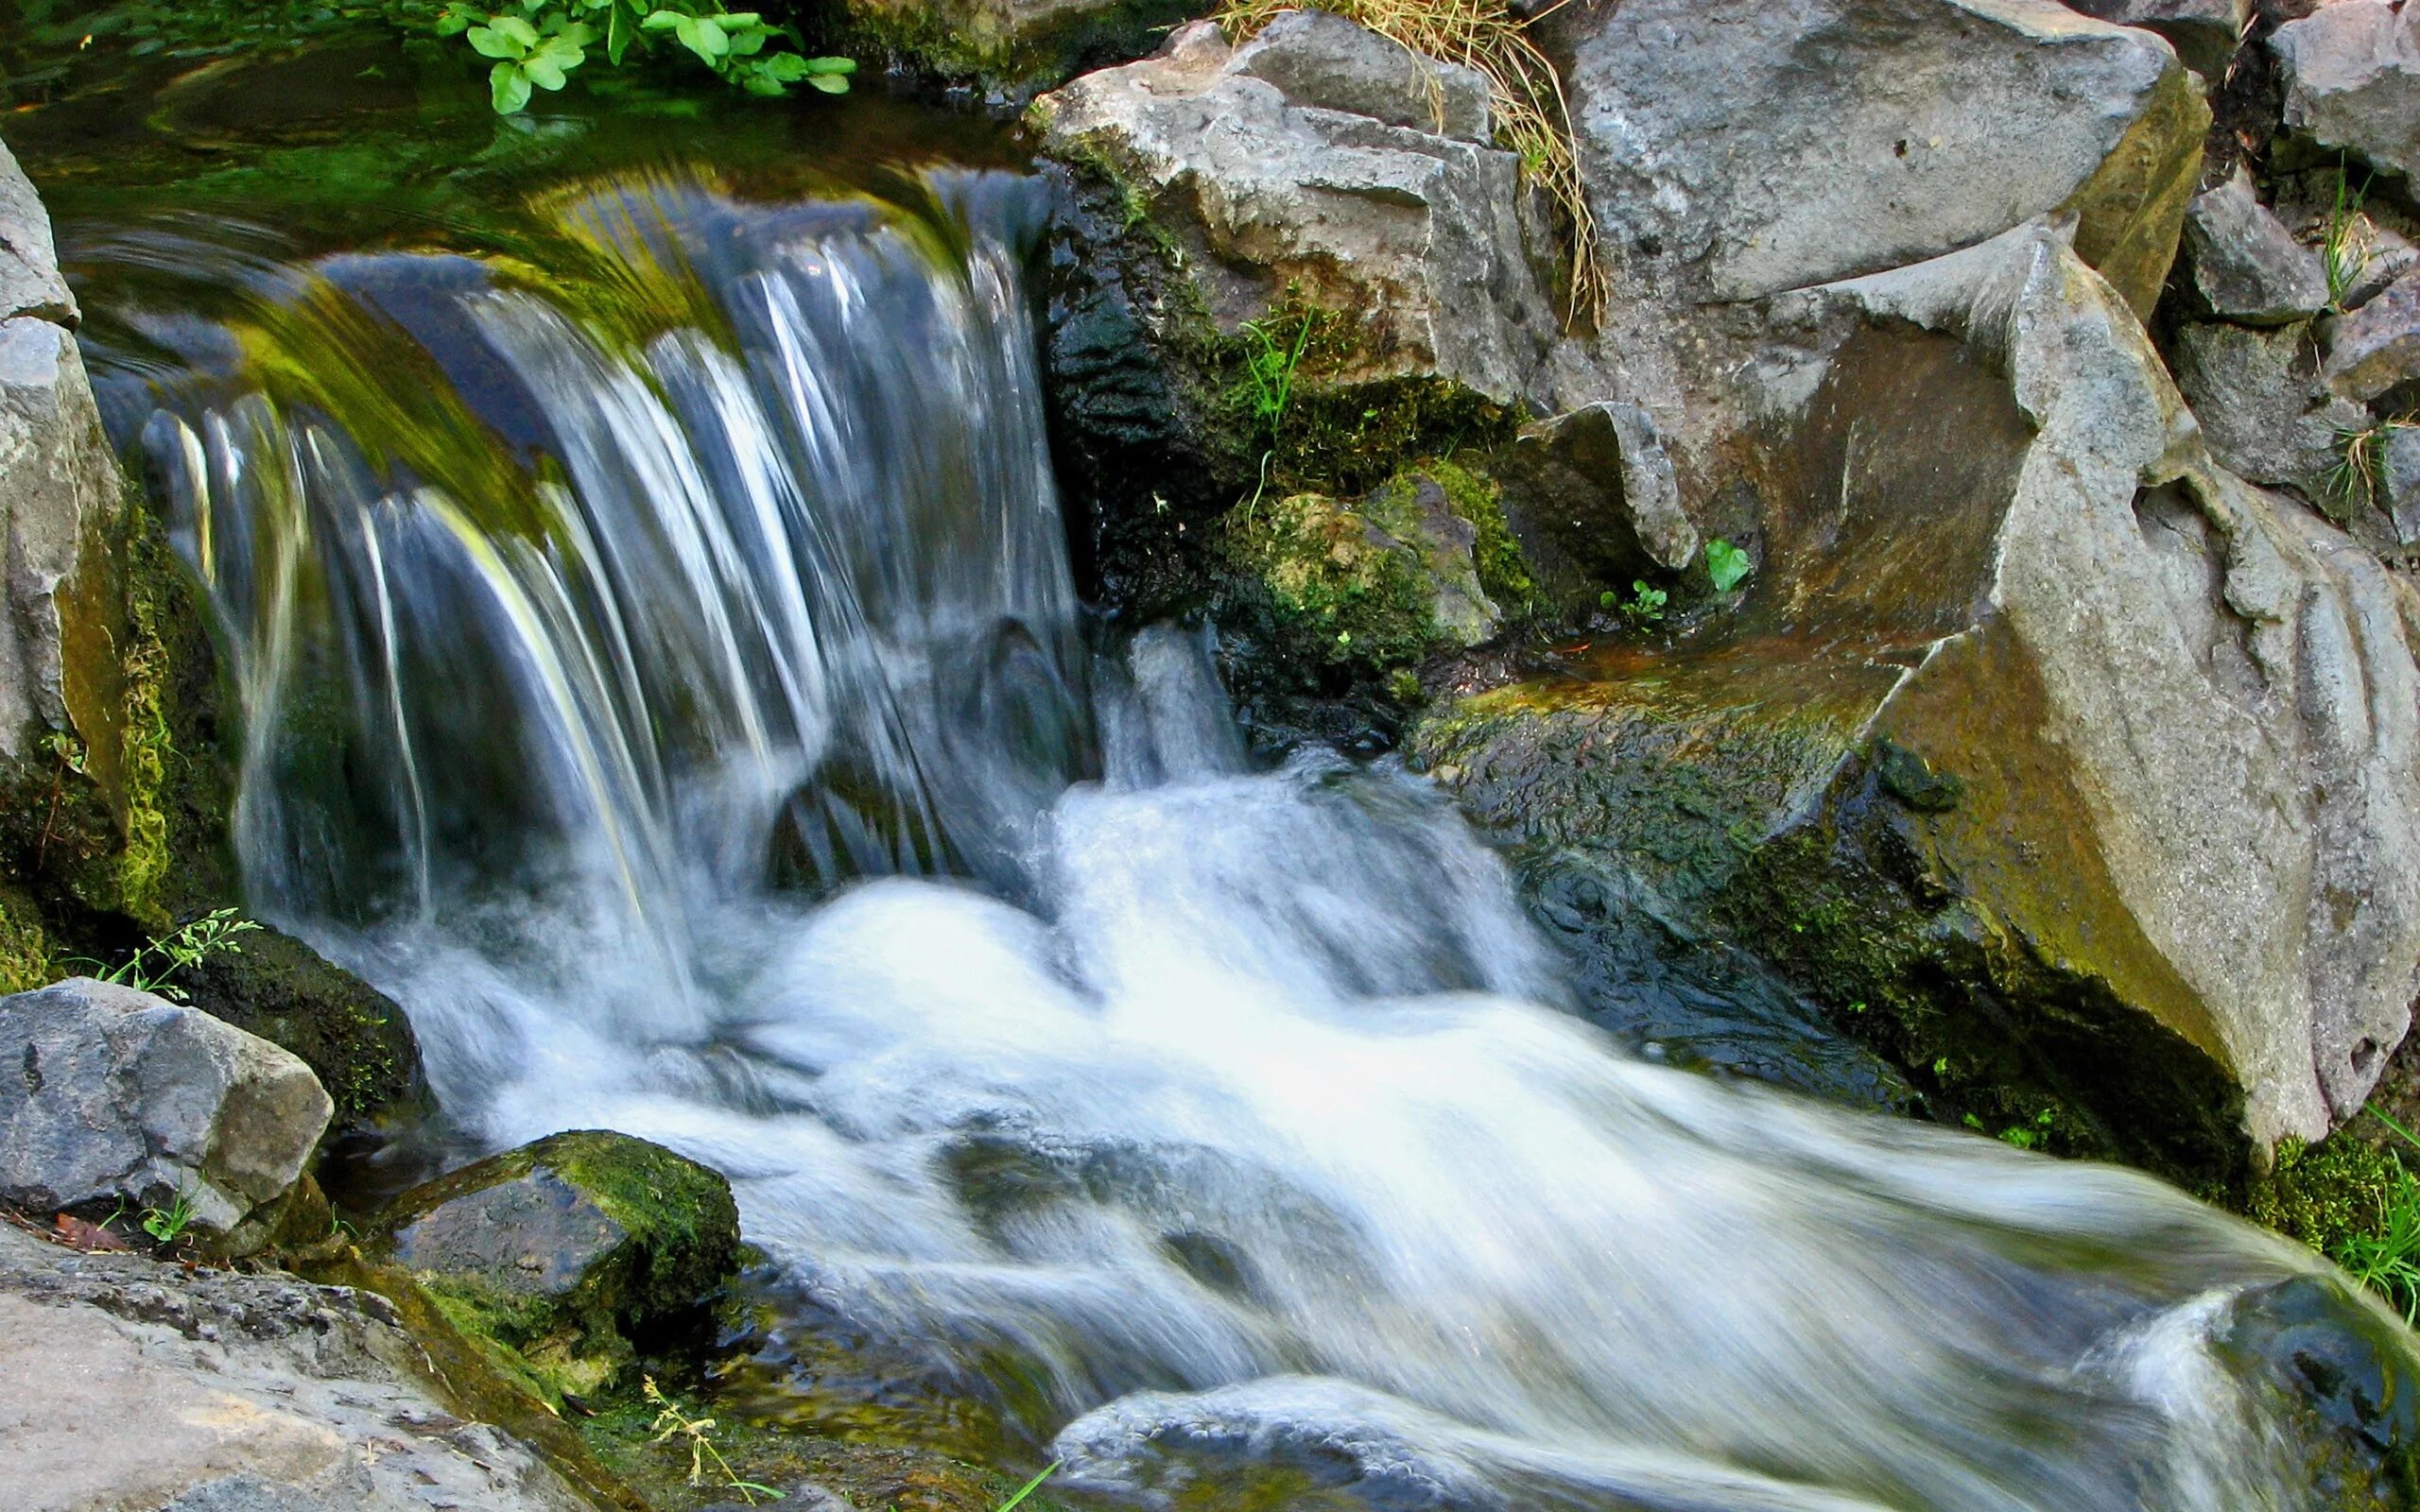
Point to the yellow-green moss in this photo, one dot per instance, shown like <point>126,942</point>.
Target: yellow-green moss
<point>2325,1194</point>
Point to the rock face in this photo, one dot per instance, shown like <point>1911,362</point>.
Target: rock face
<point>2352,78</point>
<point>2037,698</point>
<point>560,1250</point>
<point>2246,268</point>
<point>129,1383</point>
<point>1266,163</point>
<point>1758,148</point>
<point>115,1095</point>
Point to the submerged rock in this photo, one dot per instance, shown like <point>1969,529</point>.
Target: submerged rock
<point>114,1097</point>
<point>129,1383</point>
<point>2076,772</point>
<point>2352,76</point>
<point>561,1251</point>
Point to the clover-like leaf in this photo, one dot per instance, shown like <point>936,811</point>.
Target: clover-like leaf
<point>507,87</point>
<point>700,35</point>
<point>831,65</point>
<point>621,26</point>
<point>788,68</point>
<point>661,20</point>
<point>830,83</point>
<point>547,65</point>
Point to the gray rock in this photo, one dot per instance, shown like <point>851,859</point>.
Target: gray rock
<point>2246,267</point>
<point>2352,78</point>
<point>116,1095</point>
<point>1320,59</point>
<point>1416,235</point>
<point>2204,33</point>
<point>31,283</point>
<point>2377,347</point>
<point>1592,497</point>
<point>2399,481</point>
<point>1768,148</point>
<point>2382,257</point>
<point>129,1383</point>
<point>2262,408</point>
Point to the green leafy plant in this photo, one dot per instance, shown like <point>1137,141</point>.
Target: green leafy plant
<point>671,1422</point>
<point>1271,362</point>
<point>2343,243</point>
<point>1645,604</point>
<point>1029,1487</point>
<point>149,969</point>
<point>540,46</point>
<point>1726,565</point>
<point>167,1224</point>
<point>2025,1136</point>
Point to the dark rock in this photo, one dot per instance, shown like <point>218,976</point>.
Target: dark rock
<point>2348,1377</point>
<point>2377,347</point>
<point>2352,78</point>
<point>561,1251</point>
<point>112,1096</point>
<point>2262,406</point>
<point>1592,497</point>
<point>1318,59</point>
<point>2245,266</point>
<point>355,1038</point>
<point>2399,481</point>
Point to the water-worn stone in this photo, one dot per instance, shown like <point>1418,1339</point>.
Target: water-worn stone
<point>2204,33</point>
<point>2166,813</point>
<point>1318,59</point>
<point>2352,78</point>
<point>113,1095</point>
<point>1592,498</point>
<point>129,1383</point>
<point>558,1249</point>
<point>2377,347</point>
<point>2246,267</point>
<point>1765,148</point>
<point>1413,235</point>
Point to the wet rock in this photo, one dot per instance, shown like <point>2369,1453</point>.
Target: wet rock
<point>2377,347</point>
<point>2204,33</point>
<point>1318,58</point>
<point>2260,404</point>
<point>1378,582</point>
<point>129,1383</point>
<point>1759,148</point>
<point>2346,1375</point>
<point>355,1038</point>
<point>113,1095</point>
<point>2352,76</point>
<point>31,284</point>
<point>561,1251</point>
<point>1413,236</point>
<point>2180,714</point>
<point>1009,47</point>
<point>2246,268</point>
<point>1592,497</point>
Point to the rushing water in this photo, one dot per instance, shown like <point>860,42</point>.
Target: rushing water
<point>662,673</point>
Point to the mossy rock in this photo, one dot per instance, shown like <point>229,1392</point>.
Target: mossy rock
<point>565,1255</point>
<point>1010,47</point>
<point>355,1037</point>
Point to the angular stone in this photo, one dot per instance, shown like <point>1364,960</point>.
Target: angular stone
<point>113,1095</point>
<point>1592,497</point>
<point>2352,78</point>
<point>2246,267</point>
<point>1318,58</point>
<point>2399,481</point>
<point>1416,236</point>
<point>2382,258</point>
<point>2204,33</point>
<point>31,284</point>
<point>2377,347</point>
<point>556,1249</point>
<point>1767,148</point>
<point>2262,408</point>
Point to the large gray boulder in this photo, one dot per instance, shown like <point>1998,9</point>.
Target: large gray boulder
<point>116,1096</point>
<point>2352,78</point>
<point>127,1383</point>
<point>2045,742</point>
<point>1289,164</point>
<point>1761,147</point>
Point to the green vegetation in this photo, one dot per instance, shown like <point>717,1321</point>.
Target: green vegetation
<point>2360,460</point>
<point>167,1224</point>
<point>150,966</point>
<point>698,1432</point>
<point>1030,1487</point>
<point>2344,245</point>
<point>539,48</point>
<point>1726,565</point>
<point>1645,604</point>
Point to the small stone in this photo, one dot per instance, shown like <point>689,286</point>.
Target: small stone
<point>1318,59</point>
<point>2352,76</point>
<point>2382,257</point>
<point>2245,266</point>
<point>2378,347</point>
<point>1197,45</point>
<point>2261,407</point>
<point>114,1095</point>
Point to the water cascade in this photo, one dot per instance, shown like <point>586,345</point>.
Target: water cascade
<point>662,673</point>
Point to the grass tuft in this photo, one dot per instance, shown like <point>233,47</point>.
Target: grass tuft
<point>1532,118</point>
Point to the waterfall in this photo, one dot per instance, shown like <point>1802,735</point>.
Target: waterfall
<point>661,672</point>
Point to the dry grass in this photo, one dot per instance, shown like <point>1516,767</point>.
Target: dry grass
<point>1531,116</point>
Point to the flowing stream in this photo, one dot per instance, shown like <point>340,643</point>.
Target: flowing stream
<point>662,673</point>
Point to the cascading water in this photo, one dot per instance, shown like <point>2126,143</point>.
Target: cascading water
<point>662,673</point>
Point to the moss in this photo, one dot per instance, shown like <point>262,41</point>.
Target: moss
<point>354,1038</point>
<point>973,41</point>
<point>26,955</point>
<point>1503,572</point>
<point>2325,1194</point>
